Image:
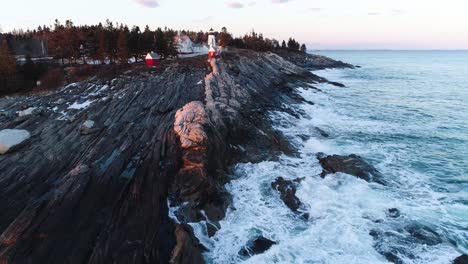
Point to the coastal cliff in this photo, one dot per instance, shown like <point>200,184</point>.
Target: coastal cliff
<point>108,159</point>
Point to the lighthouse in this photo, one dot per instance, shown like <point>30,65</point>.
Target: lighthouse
<point>213,46</point>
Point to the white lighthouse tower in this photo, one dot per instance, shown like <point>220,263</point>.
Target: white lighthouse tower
<point>213,46</point>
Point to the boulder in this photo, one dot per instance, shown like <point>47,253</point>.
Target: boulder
<point>463,259</point>
<point>60,101</point>
<point>188,124</point>
<point>393,213</point>
<point>287,190</point>
<point>88,127</point>
<point>257,246</point>
<point>188,248</point>
<point>29,111</point>
<point>12,139</point>
<point>352,165</point>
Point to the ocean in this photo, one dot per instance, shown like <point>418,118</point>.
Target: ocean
<point>406,112</point>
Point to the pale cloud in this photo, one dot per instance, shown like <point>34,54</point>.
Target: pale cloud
<point>315,9</point>
<point>280,1</point>
<point>236,5</point>
<point>203,19</point>
<point>148,3</point>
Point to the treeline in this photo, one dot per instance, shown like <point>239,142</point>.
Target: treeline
<point>117,42</point>
<point>257,42</point>
<point>112,42</point>
<point>104,43</point>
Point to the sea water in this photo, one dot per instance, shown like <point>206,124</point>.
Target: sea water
<point>406,112</point>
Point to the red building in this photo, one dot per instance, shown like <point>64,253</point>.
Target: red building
<point>153,59</point>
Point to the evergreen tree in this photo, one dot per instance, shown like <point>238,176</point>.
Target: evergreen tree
<point>135,45</point>
<point>111,38</point>
<point>57,41</point>
<point>283,45</point>
<point>304,48</point>
<point>225,38</point>
<point>160,43</point>
<point>148,40</point>
<point>7,64</point>
<point>122,45</point>
<point>171,47</point>
<point>200,37</point>
<point>71,43</point>
<point>102,50</point>
<point>293,45</point>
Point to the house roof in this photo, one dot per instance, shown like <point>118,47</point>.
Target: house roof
<point>153,55</point>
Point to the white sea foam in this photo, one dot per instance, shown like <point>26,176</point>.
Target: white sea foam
<point>344,210</point>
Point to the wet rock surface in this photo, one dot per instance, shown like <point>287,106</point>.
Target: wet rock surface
<point>287,190</point>
<point>393,213</point>
<point>423,234</point>
<point>463,259</point>
<point>188,249</point>
<point>352,165</point>
<point>392,244</point>
<point>102,196</point>
<point>257,246</point>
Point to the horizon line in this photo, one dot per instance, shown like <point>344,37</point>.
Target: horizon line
<point>387,49</point>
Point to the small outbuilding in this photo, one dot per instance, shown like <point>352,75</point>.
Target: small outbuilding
<point>153,59</point>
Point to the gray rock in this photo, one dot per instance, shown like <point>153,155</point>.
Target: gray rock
<point>287,190</point>
<point>463,259</point>
<point>60,101</point>
<point>12,139</point>
<point>352,165</point>
<point>88,127</point>
<point>29,111</point>
<point>257,246</point>
<point>8,114</point>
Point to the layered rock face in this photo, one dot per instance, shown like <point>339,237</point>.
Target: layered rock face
<point>312,62</point>
<point>101,197</point>
<point>107,157</point>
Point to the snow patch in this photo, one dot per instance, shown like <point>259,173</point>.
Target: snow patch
<point>79,106</point>
<point>10,138</point>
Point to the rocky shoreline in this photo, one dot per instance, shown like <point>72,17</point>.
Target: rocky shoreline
<point>107,157</point>
<point>114,168</point>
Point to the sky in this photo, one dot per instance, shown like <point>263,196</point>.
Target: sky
<point>321,24</point>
